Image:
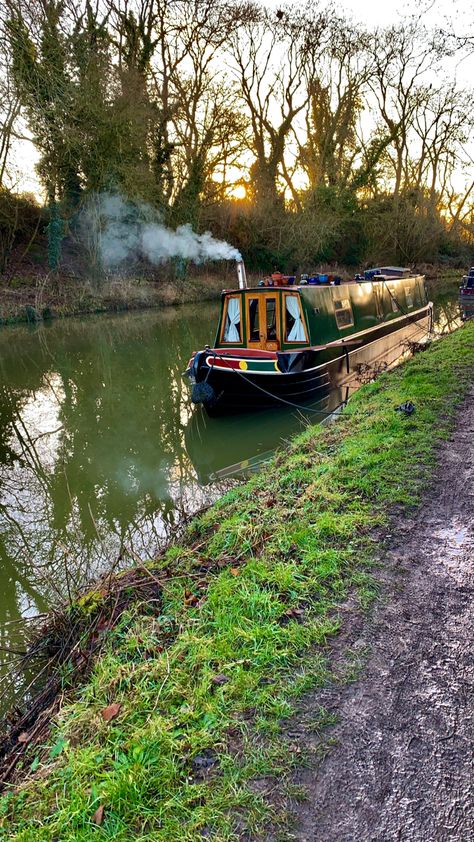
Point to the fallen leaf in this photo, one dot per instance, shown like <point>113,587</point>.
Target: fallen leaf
<point>293,614</point>
<point>98,816</point>
<point>110,712</point>
<point>104,625</point>
<point>23,738</point>
<point>203,761</point>
<point>220,679</point>
<point>235,571</point>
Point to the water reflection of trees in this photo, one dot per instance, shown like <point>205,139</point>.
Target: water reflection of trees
<point>92,417</point>
<point>447,315</point>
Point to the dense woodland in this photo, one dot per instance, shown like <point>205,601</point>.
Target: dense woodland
<point>292,133</point>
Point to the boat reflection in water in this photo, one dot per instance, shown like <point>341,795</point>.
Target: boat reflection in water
<point>233,446</point>
<point>467,309</point>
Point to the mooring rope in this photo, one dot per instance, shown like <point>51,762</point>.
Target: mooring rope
<point>431,330</point>
<point>404,312</point>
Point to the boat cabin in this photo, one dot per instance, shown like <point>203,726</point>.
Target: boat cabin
<point>293,317</point>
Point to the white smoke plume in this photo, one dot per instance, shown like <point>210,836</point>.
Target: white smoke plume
<point>129,232</point>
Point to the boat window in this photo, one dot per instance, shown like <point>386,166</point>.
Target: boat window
<point>409,296</point>
<point>270,304</point>
<point>254,320</point>
<point>343,311</point>
<point>294,327</point>
<point>232,321</point>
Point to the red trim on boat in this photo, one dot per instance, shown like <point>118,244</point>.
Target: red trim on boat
<point>245,352</point>
<point>217,362</point>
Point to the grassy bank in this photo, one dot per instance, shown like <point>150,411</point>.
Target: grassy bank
<point>246,607</point>
<point>32,300</point>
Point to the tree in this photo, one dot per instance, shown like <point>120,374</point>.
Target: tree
<point>274,58</point>
<point>337,97</point>
<point>9,114</point>
<point>205,124</point>
<point>402,55</point>
<point>40,72</point>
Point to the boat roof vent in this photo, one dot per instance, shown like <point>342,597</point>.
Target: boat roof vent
<point>395,271</point>
<point>387,271</point>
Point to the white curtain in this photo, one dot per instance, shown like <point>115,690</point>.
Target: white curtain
<point>232,334</point>
<point>297,332</point>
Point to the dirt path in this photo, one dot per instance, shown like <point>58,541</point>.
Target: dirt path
<point>403,765</point>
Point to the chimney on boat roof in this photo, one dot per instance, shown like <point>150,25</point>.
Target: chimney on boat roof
<point>241,274</point>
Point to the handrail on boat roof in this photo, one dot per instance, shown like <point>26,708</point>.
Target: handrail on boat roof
<point>350,282</point>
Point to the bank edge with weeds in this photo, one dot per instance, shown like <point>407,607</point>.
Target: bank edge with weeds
<point>35,303</point>
<point>199,718</point>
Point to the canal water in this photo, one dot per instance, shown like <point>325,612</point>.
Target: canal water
<point>102,455</point>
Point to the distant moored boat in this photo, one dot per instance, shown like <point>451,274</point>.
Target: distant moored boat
<point>466,290</point>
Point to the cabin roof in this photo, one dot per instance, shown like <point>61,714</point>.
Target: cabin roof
<point>289,287</point>
<point>283,287</point>
<point>302,287</point>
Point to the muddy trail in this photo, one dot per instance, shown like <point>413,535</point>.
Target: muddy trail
<point>402,766</point>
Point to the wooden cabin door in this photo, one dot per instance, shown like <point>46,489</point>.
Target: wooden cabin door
<point>263,321</point>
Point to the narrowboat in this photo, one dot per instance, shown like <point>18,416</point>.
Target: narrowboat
<point>286,343</point>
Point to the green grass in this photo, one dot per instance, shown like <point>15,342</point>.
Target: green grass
<point>281,553</point>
